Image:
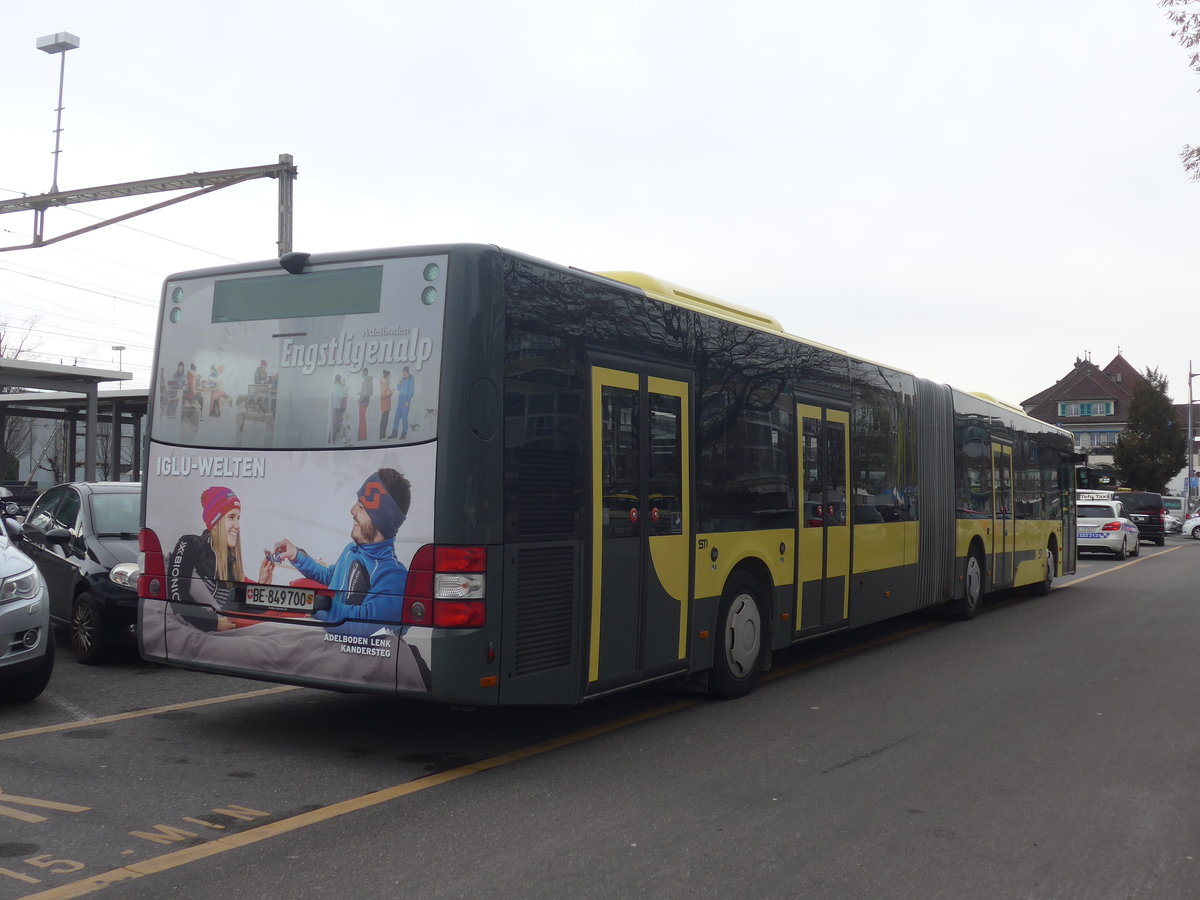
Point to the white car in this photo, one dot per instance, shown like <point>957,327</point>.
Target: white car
<point>1191,526</point>
<point>26,644</point>
<point>1102,526</point>
<point>1171,524</point>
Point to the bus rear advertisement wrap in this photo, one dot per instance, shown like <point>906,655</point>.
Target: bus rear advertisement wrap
<point>275,557</point>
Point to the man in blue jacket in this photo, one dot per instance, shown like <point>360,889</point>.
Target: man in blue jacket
<point>367,579</point>
<point>405,388</point>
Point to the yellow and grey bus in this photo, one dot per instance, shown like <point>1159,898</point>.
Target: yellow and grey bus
<point>468,475</point>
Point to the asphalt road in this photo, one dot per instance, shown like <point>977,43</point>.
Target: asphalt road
<point>1046,749</point>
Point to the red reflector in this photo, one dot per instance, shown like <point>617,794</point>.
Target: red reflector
<point>458,614</point>
<point>460,559</point>
<point>420,607</point>
<point>152,583</point>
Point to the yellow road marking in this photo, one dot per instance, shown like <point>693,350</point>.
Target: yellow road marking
<point>32,818</point>
<point>142,713</point>
<point>1131,562</point>
<point>224,844</point>
<point>375,798</point>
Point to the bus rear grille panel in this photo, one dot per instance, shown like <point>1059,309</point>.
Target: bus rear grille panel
<point>546,496</point>
<point>545,604</point>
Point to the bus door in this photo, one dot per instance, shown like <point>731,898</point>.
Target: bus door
<point>823,562</point>
<point>641,543</point>
<point>1003,523</point>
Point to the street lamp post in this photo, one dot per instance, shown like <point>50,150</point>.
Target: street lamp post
<point>1191,449</point>
<point>119,350</point>
<point>58,43</point>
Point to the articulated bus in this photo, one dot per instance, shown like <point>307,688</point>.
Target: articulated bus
<point>467,475</point>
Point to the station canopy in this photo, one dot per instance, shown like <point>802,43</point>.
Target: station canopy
<point>69,394</point>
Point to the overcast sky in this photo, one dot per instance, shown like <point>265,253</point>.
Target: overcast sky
<point>978,193</point>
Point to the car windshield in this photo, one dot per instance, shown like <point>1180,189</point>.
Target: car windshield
<point>1091,511</point>
<point>116,515</point>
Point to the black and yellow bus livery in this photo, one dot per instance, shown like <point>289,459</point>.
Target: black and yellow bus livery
<point>612,481</point>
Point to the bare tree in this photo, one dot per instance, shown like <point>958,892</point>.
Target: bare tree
<point>1187,32</point>
<point>18,430</point>
<point>54,455</point>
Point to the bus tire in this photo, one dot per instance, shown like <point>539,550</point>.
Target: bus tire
<point>741,628</point>
<point>87,634</point>
<point>1043,587</point>
<point>967,606</point>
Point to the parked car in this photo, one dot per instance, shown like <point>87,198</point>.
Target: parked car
<point>8,503</point>
<point>1102,526</point>
<point>77,534</point>
<point>26,644</point>
<point>1146,510</point>
<point>1171,524</point>
<point>22,495</point>
<point>1191,526</point>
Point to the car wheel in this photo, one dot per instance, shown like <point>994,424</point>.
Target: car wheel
<point>1196,533</point>
<point>1120,554</point>
<point>1137,549</point>
<point>967,606</point>
<point>29,686</point>
<point>1160,541</point>
<point>740,623</point>
<point>87,637</point>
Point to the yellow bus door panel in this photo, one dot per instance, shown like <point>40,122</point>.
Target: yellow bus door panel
<point>669,556</point>
<point>614,630</point>
<point>641,530</point>
<point>1003,520</point>
<point>823,560</point>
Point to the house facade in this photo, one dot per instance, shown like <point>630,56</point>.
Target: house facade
<point>1092,402</point>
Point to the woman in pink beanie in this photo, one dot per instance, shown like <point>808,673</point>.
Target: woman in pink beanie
<point>203,567</point>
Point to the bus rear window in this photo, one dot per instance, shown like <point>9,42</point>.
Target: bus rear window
<point>335,292</point>
<point>346,354</point>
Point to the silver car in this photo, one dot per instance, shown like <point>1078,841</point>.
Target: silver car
<point>26,643</point>
<point>1105,527</point>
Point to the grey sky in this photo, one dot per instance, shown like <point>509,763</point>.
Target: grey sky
<point>978,193</point>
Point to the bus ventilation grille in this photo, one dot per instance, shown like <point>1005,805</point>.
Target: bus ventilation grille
<point>545,600</point>
<point>546,497</point>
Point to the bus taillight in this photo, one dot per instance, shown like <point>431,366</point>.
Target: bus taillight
<point>152,583</point>
<point>446,587</point>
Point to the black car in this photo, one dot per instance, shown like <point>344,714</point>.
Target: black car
<point>1147,512</point>
<point>75,534</point>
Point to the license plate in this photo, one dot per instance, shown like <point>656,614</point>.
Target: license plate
<point>275,597</point>
<point>1090,535</point>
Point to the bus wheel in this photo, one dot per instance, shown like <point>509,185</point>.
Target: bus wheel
<point>967,606</point>
<point>1043,587</point>
<point>737,661</point>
